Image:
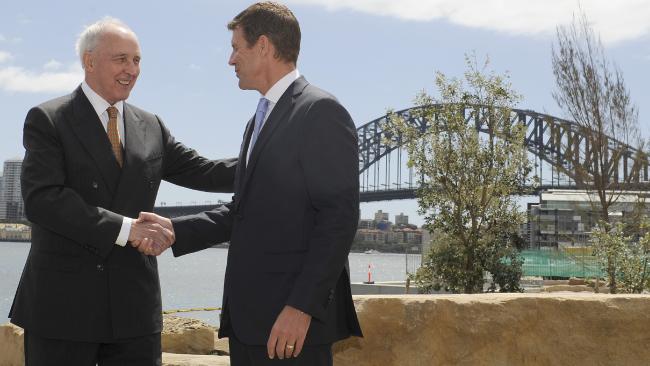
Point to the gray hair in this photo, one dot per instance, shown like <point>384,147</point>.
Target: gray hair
<point>89,37</point>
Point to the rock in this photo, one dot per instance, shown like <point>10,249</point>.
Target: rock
<point>567,288</point>
<point>555,282</point>
<point>499,329</point>
<point>11,345</point>
<point>576,281</point>
<point>172,359</point>
<point>603,287</point>
<point>221,347</point>
<point>187,336</point>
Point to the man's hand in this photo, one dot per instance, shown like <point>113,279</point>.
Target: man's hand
<point>288,333</point>
<point>151,234</point>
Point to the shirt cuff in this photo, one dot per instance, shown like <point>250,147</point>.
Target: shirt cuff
<point>123,236</point>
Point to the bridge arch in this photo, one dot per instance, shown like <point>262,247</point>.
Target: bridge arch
<point>550,140</point>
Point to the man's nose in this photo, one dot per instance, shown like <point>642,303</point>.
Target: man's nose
<point>132,68</point>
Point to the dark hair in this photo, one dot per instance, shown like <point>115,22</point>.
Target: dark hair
<point>276,22</point>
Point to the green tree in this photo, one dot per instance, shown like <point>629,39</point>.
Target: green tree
<point>624,257</point>
<point>468,179</point>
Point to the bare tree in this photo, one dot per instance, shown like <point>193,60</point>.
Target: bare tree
<point>592,91</point>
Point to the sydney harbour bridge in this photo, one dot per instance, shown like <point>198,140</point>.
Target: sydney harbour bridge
<point>553,145</point>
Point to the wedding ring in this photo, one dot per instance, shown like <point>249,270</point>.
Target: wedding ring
<point>289,346</point>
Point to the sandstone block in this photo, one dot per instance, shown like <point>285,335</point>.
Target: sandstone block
<point>11,345</point>
<point>576,281</point>
<point>567,288</point>
<point>221,347</point>
<point>499,329</point>
<point>172,359</point>
<point>187,336</point>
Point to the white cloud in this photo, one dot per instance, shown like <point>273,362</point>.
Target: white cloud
<point>5,56</point>
<point>4,38</point>
<point>615,20</point>
<point>18,79</point>
<point>52,65</point>
<point>195,67</point>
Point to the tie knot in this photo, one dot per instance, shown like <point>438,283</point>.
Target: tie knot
<point>112,112</point>
<point>262,105</point>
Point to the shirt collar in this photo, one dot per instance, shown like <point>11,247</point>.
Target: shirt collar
<point>280,86</point>
<point>100,104</point>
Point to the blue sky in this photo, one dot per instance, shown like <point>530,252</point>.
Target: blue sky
<point>372,54</point>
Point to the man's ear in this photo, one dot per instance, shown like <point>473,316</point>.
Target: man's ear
<point>264,44</point>
<point>89,61</point>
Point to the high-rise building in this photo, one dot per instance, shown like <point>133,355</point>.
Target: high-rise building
<point>381,216</point>
<point>566,218</point>
<point>11,200</point>
<point>401,219</point>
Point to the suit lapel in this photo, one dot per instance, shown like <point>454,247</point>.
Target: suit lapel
<point>276,118</point>
<point>241,167</point>
<point>87,126</point>
<point>135,134</point>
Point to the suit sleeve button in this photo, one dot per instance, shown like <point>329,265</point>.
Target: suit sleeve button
<point>100,267</point>
<point>95,185</point>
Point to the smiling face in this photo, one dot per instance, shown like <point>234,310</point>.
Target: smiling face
<point>114,65</point>
<point>247,60</point>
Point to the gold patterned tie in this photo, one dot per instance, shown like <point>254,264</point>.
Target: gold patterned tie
<point>113,135</point>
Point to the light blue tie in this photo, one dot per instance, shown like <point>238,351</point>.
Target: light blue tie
<point>262,107</point>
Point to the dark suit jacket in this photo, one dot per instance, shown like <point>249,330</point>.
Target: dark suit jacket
<point>293,219</point>
<point>77,284</point>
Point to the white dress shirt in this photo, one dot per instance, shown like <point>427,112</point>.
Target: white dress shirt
<point>273,95</point>
<point>100,105</point>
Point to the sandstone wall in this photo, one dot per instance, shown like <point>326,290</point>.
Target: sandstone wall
<point>500,329</point>
<point>423,330</point>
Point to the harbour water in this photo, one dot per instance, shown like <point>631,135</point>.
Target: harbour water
<point>196,280</point>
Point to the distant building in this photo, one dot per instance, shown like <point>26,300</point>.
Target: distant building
<point>372,236</point>
<point>11,200</point>
<point>382,234</point>
<point>15,232</point>
<point>407,236</point>
<point>384,225</point>
<point>381,216</point>
<point>366,224</point>
<point>401,219</point>
<point>564,218</point>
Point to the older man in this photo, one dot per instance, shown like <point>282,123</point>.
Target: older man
<point>93,162</point>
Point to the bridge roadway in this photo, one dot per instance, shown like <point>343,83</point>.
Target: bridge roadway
<point>368,196</point>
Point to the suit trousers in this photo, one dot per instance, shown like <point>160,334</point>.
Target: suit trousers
<point>140,351</point>
<point>247,355</point>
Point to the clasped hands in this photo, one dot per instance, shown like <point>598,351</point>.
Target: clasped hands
<point>151,234</point>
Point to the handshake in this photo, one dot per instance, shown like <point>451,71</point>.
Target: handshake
<point>151,234</point>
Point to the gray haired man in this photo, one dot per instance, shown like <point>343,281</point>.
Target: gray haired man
<point>88,295</point>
